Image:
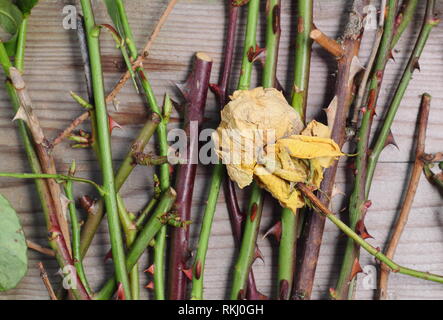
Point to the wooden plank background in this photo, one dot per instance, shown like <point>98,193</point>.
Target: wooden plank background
<point>53,68</point>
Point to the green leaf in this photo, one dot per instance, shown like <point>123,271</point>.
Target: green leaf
<point>26,5</point>
<point>13,258</point>
<point>115,16</point>
<point>10,20</point>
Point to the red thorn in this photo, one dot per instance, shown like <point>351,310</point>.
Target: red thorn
<point>150,269</point>
<point>390,140</point>
<point>113,124</point>
<point>198,270</point>
<point>215,88</point>
<point>120,292</point>
<point>259,254</point>
<point>255,53</point>
<point>362,231</point>
<point>150,285</point>
<point>367,204</point>
<point>188,273</point>
<point>356,269</point>
<point>391,55</point>
<point>108,256</point>
<point>254,209</point>
<point>256,295</point>
<point>241,295</point>
<point>275,230</point>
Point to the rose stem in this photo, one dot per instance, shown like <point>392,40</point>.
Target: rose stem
<point>314,226</point>
<point>93,221</point>
<point>75,227</point>
<point>144,237</point>
<point>357,208</point>
<point>289,219</point>
<point>57,243</point>
<point>355,237</point>
<point>121,83</point>
<point>410,194</point>
<point>104,145</point>
<point>195,91</point>
<point>219,170</point>
<point>162,137</point>
<point>248,248</point>
<point>429,22</point>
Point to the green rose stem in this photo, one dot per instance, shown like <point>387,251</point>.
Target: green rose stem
<point>346,53</point>
<point>429,22</point>
<point>289,219</point>
<point>93,221</point>
<point>248,249</point>
<point>60,177</point>
<point>357,207</point>
<point>144,237</point>
<point>75,227</point>
<point>394,267</point>
<point>104,143</point>
<point>219,170</point>
<point>130,231</point>
<point>236,216</point>
<point>162,137</point>
<point>403,19</point>
<point>57,243</point>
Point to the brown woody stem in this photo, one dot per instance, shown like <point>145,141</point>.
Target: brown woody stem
<point>195,91</point>
<point>410,194</point>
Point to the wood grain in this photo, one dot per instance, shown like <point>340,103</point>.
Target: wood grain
<point>53,68</point>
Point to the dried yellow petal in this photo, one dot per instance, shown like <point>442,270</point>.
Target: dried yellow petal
<point>251,120</point>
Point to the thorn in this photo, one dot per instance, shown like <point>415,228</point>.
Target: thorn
<point>150,285</point>
<point>241,295</point>
<point>120,292</point>
<point>188,273</point>
<point>198,269</point>
<point>362,231</point>
<point>390,140</point>
<point>391,55</point>
<point>258,254</point>
<point>415,65</point>
<point>356,269</point>
<point>20,115</point>
<point>255,53</point>
<point>254,209</point>
<point>108,256</point>
<point>367,204</point>
<point>113,124</point>
<point>150,269</point>
<point>256,295</point>
<point>215,89</point>
<point>275,230</point>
